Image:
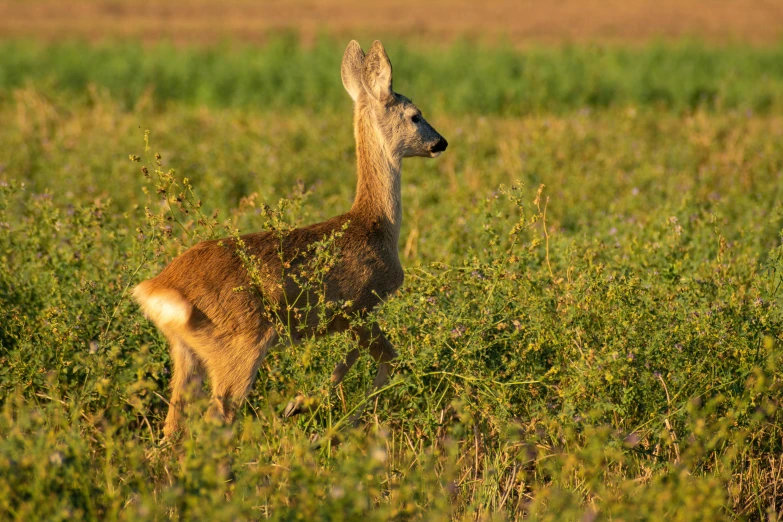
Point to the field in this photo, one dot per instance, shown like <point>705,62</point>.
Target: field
<point>522,22</point>
<point>589,329</point>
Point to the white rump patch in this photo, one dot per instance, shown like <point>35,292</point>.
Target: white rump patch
<point>163,307</point>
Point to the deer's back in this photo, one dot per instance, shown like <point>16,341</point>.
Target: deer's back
<point>214,281</point>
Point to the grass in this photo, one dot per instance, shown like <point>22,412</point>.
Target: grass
<point>604,348</point>
<point>463,78</point>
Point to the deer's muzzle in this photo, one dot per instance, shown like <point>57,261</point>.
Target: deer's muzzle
<point>440,146</point>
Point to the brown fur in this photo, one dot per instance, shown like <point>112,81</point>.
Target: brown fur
<point>214,328</point>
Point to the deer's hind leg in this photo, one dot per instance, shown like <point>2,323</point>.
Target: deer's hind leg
<point>232,368</point>
<point>186,382</point>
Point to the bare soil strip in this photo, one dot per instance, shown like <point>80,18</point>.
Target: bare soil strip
<point>522,22</point>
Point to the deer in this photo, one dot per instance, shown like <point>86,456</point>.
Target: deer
<point>223,334</point>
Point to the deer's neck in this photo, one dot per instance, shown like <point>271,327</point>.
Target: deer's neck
<point>378,196</point>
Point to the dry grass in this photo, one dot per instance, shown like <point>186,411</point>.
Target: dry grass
<point>522,21</point>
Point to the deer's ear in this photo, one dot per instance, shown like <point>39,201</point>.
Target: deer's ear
<point>377,73</point>
<point>351,69</point>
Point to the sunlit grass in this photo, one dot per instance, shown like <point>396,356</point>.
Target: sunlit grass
<point>456,79</point>
<point>623,362</point>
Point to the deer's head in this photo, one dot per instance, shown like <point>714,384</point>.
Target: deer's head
<point>399,124</point>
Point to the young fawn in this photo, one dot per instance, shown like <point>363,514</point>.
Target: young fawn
<point>226,333</point>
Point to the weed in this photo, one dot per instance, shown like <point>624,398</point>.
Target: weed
<point>606,347</point>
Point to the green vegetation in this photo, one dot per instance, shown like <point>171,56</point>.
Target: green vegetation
<point>458,79</point>
<point>607,348</point>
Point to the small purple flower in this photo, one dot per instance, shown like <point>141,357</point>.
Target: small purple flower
<point>458,331</point>
<point>632,440</point>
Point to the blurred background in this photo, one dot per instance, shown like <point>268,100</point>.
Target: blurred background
<point>519,21</point>
<point>522,57</point>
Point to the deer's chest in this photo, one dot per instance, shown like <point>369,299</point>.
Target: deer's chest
<point>373,276</point>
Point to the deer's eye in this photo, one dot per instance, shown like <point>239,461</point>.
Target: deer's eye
<point>415,118</point>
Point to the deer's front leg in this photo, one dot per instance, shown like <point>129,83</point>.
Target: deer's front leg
<point>383,352</point>
<point>299,404</point>
<point>342,367</point>
<point>370,338</point>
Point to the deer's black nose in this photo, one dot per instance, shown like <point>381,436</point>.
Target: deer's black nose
<point>440,146</point>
